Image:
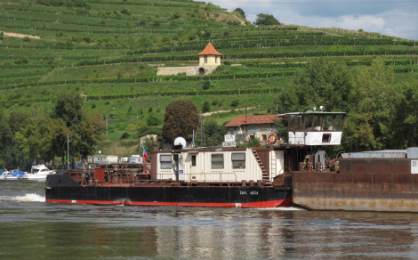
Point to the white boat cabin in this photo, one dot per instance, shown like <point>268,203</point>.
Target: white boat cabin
<point>314,128</point>
<point>220,165</point>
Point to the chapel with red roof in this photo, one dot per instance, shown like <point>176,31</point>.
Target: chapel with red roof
<point>209,56</point>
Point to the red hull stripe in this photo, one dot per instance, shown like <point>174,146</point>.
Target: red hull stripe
<point>261,204</point>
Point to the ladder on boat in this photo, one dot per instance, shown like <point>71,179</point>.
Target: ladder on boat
<point>263,169</point>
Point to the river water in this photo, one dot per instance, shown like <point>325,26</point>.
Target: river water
<point>30,228</point>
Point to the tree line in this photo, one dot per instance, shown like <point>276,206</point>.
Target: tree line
<point>25,137</point>
<point>381,111</point>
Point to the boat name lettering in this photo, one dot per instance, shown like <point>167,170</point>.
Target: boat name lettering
<point>242,192</point>
<point>253,192</point>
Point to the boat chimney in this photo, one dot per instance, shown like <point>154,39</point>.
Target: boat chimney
<point>154,161</point>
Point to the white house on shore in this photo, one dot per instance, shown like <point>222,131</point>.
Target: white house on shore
<point>257,126</point>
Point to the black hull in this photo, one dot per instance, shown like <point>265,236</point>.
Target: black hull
<point>63,189</point>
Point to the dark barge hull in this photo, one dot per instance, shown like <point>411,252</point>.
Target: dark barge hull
<point>385,185</point>
<point>63,189</point>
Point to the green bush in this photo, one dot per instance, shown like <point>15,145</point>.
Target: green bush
<point>175,15</point>
<point>153,121</point>
<point>205,107</point>
<point>234,102</point>
<point>125,11</point>
<point>124,136</point>
<point>206,85</point>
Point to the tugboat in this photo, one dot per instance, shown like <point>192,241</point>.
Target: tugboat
<point>221,177</point>
<point>204,177</point>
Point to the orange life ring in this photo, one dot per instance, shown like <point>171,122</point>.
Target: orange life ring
<point>271,141</point>
<point>146,171</point>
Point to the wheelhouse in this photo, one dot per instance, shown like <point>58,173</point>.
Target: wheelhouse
<point>314,128</point>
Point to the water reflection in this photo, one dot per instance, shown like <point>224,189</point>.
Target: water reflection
<point>51,231</point>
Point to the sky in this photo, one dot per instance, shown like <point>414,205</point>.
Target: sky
<point>390,17</point>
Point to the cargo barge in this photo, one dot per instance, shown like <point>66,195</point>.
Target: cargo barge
<point>366,181</point>
<point>385,181</point>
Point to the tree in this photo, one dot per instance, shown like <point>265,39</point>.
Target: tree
<point>266,19</point>
<point>85,129</point>
<point>214,133</point>
<point>206,85</point>
<point>11,155</point>
<point>321,83</point>
<point>205,107</point>
<point>180,118</point>
<point>240,11</point>
<point>405,121</point>
<point>152,120</point>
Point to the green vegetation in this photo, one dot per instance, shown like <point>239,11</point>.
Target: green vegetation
<point>265,20</point>
<point>109,53</point>
<point>181,117</point>
<point>380,110</point>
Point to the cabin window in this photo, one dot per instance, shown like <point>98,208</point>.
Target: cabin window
<point>318,123</point>
<point>193,160</point>
<point>216,59</point>
<point>264,137</point>
<point>339,122</point>
<point>165,161</point>
<point>291,122</point>
<point>326,138</point>
<point>217,161</point>
<point>308,119</point>
<point>328,123</point>
<point>299,123</point>
<point>238,160</point>
<point>206,59</point>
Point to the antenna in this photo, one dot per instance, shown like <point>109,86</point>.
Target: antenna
<point>201,129</point>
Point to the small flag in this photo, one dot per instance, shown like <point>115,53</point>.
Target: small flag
<point>145,155</point>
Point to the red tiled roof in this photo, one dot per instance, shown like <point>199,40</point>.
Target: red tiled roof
<point>252,120</point>
<point>209,50</point>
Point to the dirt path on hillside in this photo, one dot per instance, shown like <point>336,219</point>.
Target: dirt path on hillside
<point>223,111</point>
<point>19,35</point>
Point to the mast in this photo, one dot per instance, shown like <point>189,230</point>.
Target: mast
<point>68,151</point>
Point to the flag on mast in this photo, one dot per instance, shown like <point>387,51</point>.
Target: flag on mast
<point>145,155</point>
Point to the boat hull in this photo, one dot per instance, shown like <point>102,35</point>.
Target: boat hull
<point>384,185</point>
<point>192,196</point>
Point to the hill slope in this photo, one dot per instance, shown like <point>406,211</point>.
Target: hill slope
<point>110,50</point>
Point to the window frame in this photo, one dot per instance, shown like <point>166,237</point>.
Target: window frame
<point>239,161</point>
<point>165,162</point>
<point>193,160</point>
<point>211,161</point>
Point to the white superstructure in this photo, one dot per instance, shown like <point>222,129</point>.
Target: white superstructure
<point>220,165</point>
<point>313,128</point>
